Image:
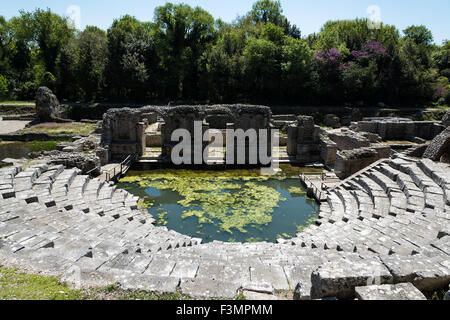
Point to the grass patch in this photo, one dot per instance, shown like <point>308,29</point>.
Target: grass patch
<point>15,285</point>
<point>43,145</point>
<point>115,293</point>
<point>15,102</point>
<point>394,142</point>
<point>65,128</point>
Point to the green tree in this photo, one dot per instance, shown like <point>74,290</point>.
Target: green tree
<point>49,31</point>
<point>416,78</point>
<point>354,35</point>
<point>117,70</point>
<point>262,68</point>
<point>183,34</point>
<point>67,68</point>
<point>93,51</point>
<point>4,46</point>
<point>19,49</point>
<point>441,59</point>
<point>264,11</point>
<point>3,87</point>
<point>223,67</point>
<point>296,67</point>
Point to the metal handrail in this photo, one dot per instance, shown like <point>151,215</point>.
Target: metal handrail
<point>315,189</point>
<point>127,162</point>
<point>92,170</point>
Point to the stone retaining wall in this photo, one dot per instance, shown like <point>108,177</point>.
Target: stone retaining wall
<point>35,136</point>
<point>399,129</point>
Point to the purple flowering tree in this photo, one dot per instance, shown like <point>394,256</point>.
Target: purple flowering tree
<point>439,93</point>
<point>372,49</point>
<point>328,57</point>
<point>376,48</point>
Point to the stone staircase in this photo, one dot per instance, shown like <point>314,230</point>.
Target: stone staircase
<point>396,207</point>
<point>58,213</point>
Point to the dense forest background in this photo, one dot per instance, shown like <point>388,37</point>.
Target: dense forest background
<point>184,54</point>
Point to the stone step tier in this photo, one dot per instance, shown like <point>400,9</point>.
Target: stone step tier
<point>387,226</point>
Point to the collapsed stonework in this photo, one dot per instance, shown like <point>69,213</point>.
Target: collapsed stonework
<point>282,121</point>
<point>80,144</point>
<point>73,159</point>
<point>332,121</point>
<point>349,152</point>
<point>349,162</point>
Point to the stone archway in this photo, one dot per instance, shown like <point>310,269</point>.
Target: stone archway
<point>124,130</point>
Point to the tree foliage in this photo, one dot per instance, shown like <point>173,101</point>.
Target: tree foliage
<point>3,87</point>
<point>184,54</point>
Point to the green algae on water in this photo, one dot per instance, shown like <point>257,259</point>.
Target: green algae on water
<point>213,204</point>
<point>250,204</point>
<point>297,191</point>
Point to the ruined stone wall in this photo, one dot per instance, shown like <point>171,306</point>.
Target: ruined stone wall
<point>124,129</point>
<point>349,151</point>
<point>303,140</point>
<point>398,128</point>
<point>219,121</point>
<point>351,161</point>
<point>328,151</point>
<point>347,140</point>
<point>282,122</point>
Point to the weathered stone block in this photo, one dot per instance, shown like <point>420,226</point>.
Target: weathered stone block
<point>332,121</point>
<point>208,288</point>
<point>401,291</point>
<point>350,162</point>
<point>340,278</point>
<point>47,105</point>
<point>439,146</point>
<point>423,272</point>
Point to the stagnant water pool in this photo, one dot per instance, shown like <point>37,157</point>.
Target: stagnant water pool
<point>235,205</point>
<point>15,150</point>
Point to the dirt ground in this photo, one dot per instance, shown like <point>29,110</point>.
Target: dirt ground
<point>12,126</point>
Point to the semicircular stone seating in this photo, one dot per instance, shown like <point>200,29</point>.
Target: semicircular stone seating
<point>388,223</point>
